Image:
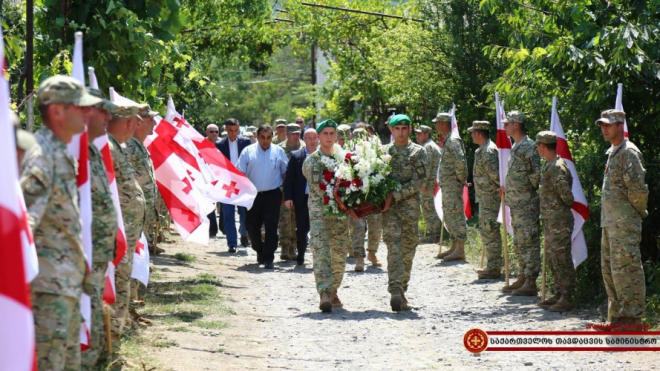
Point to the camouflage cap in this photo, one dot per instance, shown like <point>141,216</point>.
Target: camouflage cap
<point>359,131</point>
<point>546,137</point>
<point>611,116</point>
<point>514,116</point>
<point>126,111</point>
<point>24,139</point>
<point>479,125</point>
<point>280,123</point>
<point>224,134</point>
<point>105,103</point>
<point>62,89</point>
<point>424,129</point>
<point>251,129</point>
<point>293,129</point>
<point>248,134</point>
<point>146,112</point>
<point>442,117</point>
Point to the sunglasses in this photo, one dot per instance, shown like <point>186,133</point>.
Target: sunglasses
<point>213,131</point>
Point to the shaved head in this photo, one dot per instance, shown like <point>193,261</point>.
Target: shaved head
<point>212,132</point>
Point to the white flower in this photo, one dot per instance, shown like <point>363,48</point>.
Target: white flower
<point>386,158</point>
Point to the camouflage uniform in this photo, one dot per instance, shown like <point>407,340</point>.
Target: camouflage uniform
<point>132,203</point>
<point>278,123</point>
<point>452,175</point>
<point>49,185</point>
<point>358,228</point>
<point>522,181</point>
<point>104,232</point>
<point>328,234</point>
<point>624,201</point>
<point>427,199</point>
<point>400,222</point>
<point>287,222</point>
<point>486,179</point>
<point>556,202</point>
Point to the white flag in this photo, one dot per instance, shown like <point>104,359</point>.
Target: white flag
<point>141,260</point>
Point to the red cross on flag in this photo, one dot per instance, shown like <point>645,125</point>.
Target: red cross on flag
<point>141,260</point>
<point>78,148</point>
<point>109,292</point>
<point>17,346</point>
<point>580,209</point>
<point>503,143</point>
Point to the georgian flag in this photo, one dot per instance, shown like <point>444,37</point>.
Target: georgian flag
<point>580,209</point>
<point>110,292</point>
<point>503,143</point>
<point>78,148</point>
<point>18,258</point>
<point>618,104</point>
<point>141,260</point>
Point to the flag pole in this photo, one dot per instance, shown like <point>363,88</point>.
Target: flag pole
<point>483,255</point>
<point>108,331</point>
<point>545,261</point>
<point>505,247</point>
<point>157,228</point>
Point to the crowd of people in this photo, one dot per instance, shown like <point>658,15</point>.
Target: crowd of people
<point>288,209</point>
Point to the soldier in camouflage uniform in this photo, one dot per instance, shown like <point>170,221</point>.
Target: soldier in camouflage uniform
<point>104,228</point>
<point>401,210</point>
<point>328,235</point>
<point>287,223</point>
<point>556,202</point>
<point>522,182</point>
<point>428,189</point>
<point>48,182</point>
<point>144,174</point>
<point>486,176</point>
<point>624,201</point>
<point>132,203</point>
<point>452,176</point>
<point>280,131</point>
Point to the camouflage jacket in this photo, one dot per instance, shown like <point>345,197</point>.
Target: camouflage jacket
<point>452,167</point>
<point>288,149</point>
<point>144,174</point>
<point>277,141</point>
<point>409,168</point>
<point>555,190</point>
<point>313,171</point>
<point>131,197</point>
<point>433,158</point>
<point>104,215</point>
<point>625,194</point>
<point>524,173</point>
<point>50,188</point>
<point>486,171</point>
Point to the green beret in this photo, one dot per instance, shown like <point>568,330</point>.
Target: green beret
<point>329,123</point>
<point>546,137</point>
<point>399,119</point>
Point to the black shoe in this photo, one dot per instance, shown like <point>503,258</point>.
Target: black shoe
<point>260,259</point>
<point>244,241</point>
<point>269,265</point>
<point>232,248</point>
<point>300,263</point>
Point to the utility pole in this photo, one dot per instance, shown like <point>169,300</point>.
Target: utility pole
<point>29,65</point>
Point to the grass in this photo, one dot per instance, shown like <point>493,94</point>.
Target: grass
<point>188,258</point>
<point>179,329</point>
<point>210,325</point>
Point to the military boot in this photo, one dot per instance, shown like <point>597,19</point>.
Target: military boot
<point>490,273</point>
<point>516,285</point>
<point>292,253</point>
<point>359,265</point>
<point>563,305</point>
<point>138,319</point>
<point>405,305</point>
<point>547,303</point>
<point>325,305</point>
<point>458,254</point>
<point>527,289</point>
<point>441,254</point>
<point>395,301</point>
<point>373,259</point>
<point>284,253</point>
<point>334,299</point>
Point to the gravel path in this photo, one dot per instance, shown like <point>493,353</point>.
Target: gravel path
<point>277,324</point>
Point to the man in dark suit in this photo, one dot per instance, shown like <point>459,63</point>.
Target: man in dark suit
<point>296,190</point>
<point>231,147</point>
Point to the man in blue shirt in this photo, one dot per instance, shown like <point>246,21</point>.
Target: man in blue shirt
<point>265,165</point>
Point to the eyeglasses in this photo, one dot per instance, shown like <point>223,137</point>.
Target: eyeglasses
<point>213,131</point>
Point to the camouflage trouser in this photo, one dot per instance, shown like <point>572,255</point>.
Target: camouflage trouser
<point>527,238</point>
<point>489,229</point>
<point>454,215</point>
<point>91,355</point>
<point>135,285</point>
<point>163,219</point>
<point>57,331</point>
<point>430,215</point>
<point>374,225</point>
<point>287,229</point>
<point>623,273</point>
<point>329,243</point>
<point>123,296</point>
<point>557,235</point>
<point>400,228</point>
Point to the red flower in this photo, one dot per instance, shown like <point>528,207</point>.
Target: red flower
<point>323,187</point>
<point>347,159</point>
<point>345,184</point>
<point>357,182</point>
<point>326,199</point>
<point>328,175</point>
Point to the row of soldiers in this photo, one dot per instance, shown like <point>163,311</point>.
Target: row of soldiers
<point>48,182</point>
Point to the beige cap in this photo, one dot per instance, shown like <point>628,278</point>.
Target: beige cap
<point>62,89</point>
<point>479,125</point>
<point>611,116</point>
<point>546,137</point>
<point>424,129</point>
